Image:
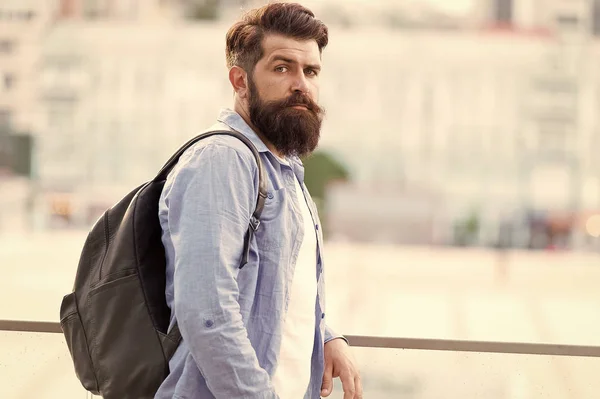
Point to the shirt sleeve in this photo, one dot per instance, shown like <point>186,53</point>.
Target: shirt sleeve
<point>330,335</point>
<point>210,201</point>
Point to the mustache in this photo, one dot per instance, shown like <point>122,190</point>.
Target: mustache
<point>301,99</point>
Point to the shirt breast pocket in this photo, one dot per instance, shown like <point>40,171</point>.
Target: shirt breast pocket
<point>271,234</point>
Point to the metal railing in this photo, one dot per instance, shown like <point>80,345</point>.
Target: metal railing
<point>390,342</point>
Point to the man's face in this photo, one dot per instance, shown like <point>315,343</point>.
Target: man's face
<point>283,94</point>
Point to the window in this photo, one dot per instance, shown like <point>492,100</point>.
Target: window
<point>504,11</point>
<point>596,18</point>
<point>552,139</point>
<point>60,116</point>
<point>94,9</point>
<point>7,46</point>
<point>21,15</point>
<point>567,21</point>
<point>5,117</point>
<point>8,81</point>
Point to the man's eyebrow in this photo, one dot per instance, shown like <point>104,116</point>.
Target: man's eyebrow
<point>284,59</point>
<point>290,61</point>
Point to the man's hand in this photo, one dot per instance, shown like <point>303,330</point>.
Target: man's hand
<point>340,363</point>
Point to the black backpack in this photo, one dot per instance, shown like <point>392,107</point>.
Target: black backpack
<point>116,319</point>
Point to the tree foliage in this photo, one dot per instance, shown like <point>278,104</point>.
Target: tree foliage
<point>320,169</point>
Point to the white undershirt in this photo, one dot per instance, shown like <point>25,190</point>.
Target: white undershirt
<point>292,375</point>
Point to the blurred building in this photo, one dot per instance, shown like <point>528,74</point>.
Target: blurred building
<point>145,11</point>
<point>119,99</point>
<point>121,10</point>
<point>388,215</point>
<point>503,122</point>
<point>576,16</point>
<point>525,15</point>
<point>22,23</point>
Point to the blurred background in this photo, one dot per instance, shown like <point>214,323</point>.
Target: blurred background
<point>458,175</point>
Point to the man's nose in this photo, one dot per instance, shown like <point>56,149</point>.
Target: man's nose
<point>300,83</point>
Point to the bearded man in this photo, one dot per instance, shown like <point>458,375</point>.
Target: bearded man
<point>257,331</point>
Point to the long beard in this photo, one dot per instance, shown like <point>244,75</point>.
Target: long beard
<point>291,131</point>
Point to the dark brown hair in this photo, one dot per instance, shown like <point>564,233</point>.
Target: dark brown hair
<point>244,38</point>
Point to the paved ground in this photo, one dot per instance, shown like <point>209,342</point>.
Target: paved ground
<point>413,292</point>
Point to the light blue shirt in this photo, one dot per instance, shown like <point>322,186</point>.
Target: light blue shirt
<point>231,319</point>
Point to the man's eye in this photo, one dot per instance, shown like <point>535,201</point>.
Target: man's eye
<point>311,72</point>
<point>281,69</point>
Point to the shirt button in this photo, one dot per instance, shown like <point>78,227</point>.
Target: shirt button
<point>209,323</point>
<point>270,195</point>
<point>322,315</point>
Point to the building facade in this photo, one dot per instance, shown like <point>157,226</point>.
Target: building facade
<point>497,121</point>
<point>450,111</point>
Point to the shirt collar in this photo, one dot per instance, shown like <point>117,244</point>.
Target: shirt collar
<point>236,122</point>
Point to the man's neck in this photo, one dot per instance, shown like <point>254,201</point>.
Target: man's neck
<point>243,112</point>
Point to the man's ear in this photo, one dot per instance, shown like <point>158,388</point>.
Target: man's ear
<point>239,81</point>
